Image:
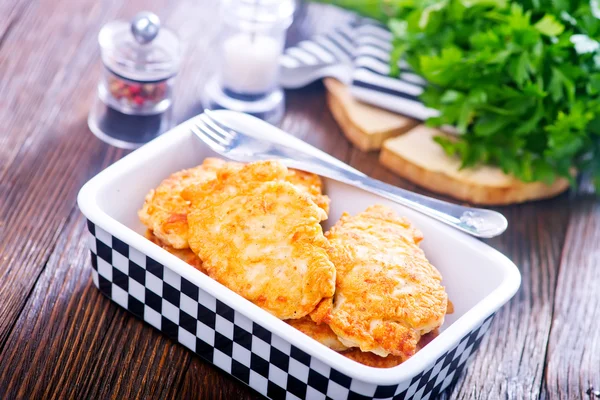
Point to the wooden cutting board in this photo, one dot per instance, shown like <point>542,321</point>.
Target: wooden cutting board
<point>366,126</point>
<point>408,149</point>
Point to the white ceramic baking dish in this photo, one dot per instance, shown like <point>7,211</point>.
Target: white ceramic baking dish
<point>246,341</point>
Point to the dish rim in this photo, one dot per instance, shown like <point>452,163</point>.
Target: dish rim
<point>87,201</point>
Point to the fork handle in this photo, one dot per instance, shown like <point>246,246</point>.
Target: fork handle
<point>475,221</point>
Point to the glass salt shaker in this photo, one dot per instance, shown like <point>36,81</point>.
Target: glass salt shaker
<point>141,60</point>
<point>250,46</point>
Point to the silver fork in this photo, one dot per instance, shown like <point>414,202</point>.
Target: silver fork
<point>243,147</point>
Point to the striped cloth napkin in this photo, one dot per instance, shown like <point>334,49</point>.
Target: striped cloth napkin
<point>358,54</point>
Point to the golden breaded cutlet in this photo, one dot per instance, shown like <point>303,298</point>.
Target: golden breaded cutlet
<point>306,182</point>
<point>261,236</point>
<point>322,333</point>
<point>373,360</point>
<point>165,212</point>
<point>387,293</point>
<point>311,184</point>
<point>186,255</point>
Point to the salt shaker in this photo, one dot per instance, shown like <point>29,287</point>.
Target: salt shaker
<point>141,60</point>
<point>250,45</point>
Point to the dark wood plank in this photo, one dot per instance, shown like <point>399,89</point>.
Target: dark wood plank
<point>46,149</point>
<point>59,338</point>
<point>60,328</point>
<point>573,356</point>
<point>309,119</point>
<point>45,65</point>
<point>72,342</point>
<point>202,381</point>
<point>510,362</point>
<point>135,361</point>
<point>11,11</point>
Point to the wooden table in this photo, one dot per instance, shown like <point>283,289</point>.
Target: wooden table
<point>60,338</point>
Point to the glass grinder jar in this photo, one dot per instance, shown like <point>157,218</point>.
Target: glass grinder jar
<point>134,101</point>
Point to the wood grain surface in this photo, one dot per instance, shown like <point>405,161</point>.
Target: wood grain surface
<point>60,338</point>
<point>573,354</point>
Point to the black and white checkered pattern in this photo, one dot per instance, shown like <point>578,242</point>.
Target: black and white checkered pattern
<point>241,347</point>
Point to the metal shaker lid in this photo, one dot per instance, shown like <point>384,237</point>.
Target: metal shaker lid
<point>140,50</point>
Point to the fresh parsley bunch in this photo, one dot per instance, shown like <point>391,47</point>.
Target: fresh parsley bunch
<point>520,79</point>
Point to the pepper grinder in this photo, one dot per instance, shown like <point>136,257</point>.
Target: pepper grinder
<point>134,100</point>
<point>250,45</point>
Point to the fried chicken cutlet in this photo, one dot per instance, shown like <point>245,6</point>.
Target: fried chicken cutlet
<point>186,255</point>
<point>322,333</point>
<point>387,294</point>
<point>311,184</point>
<point>261,236</point>
<point>373,360</point>
<point>165,212</point>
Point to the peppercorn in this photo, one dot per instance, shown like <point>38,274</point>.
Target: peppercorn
<point>136,94</point>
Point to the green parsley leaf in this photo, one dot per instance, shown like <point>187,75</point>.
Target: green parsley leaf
<point>549,26</point>
<point>520,79</point>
